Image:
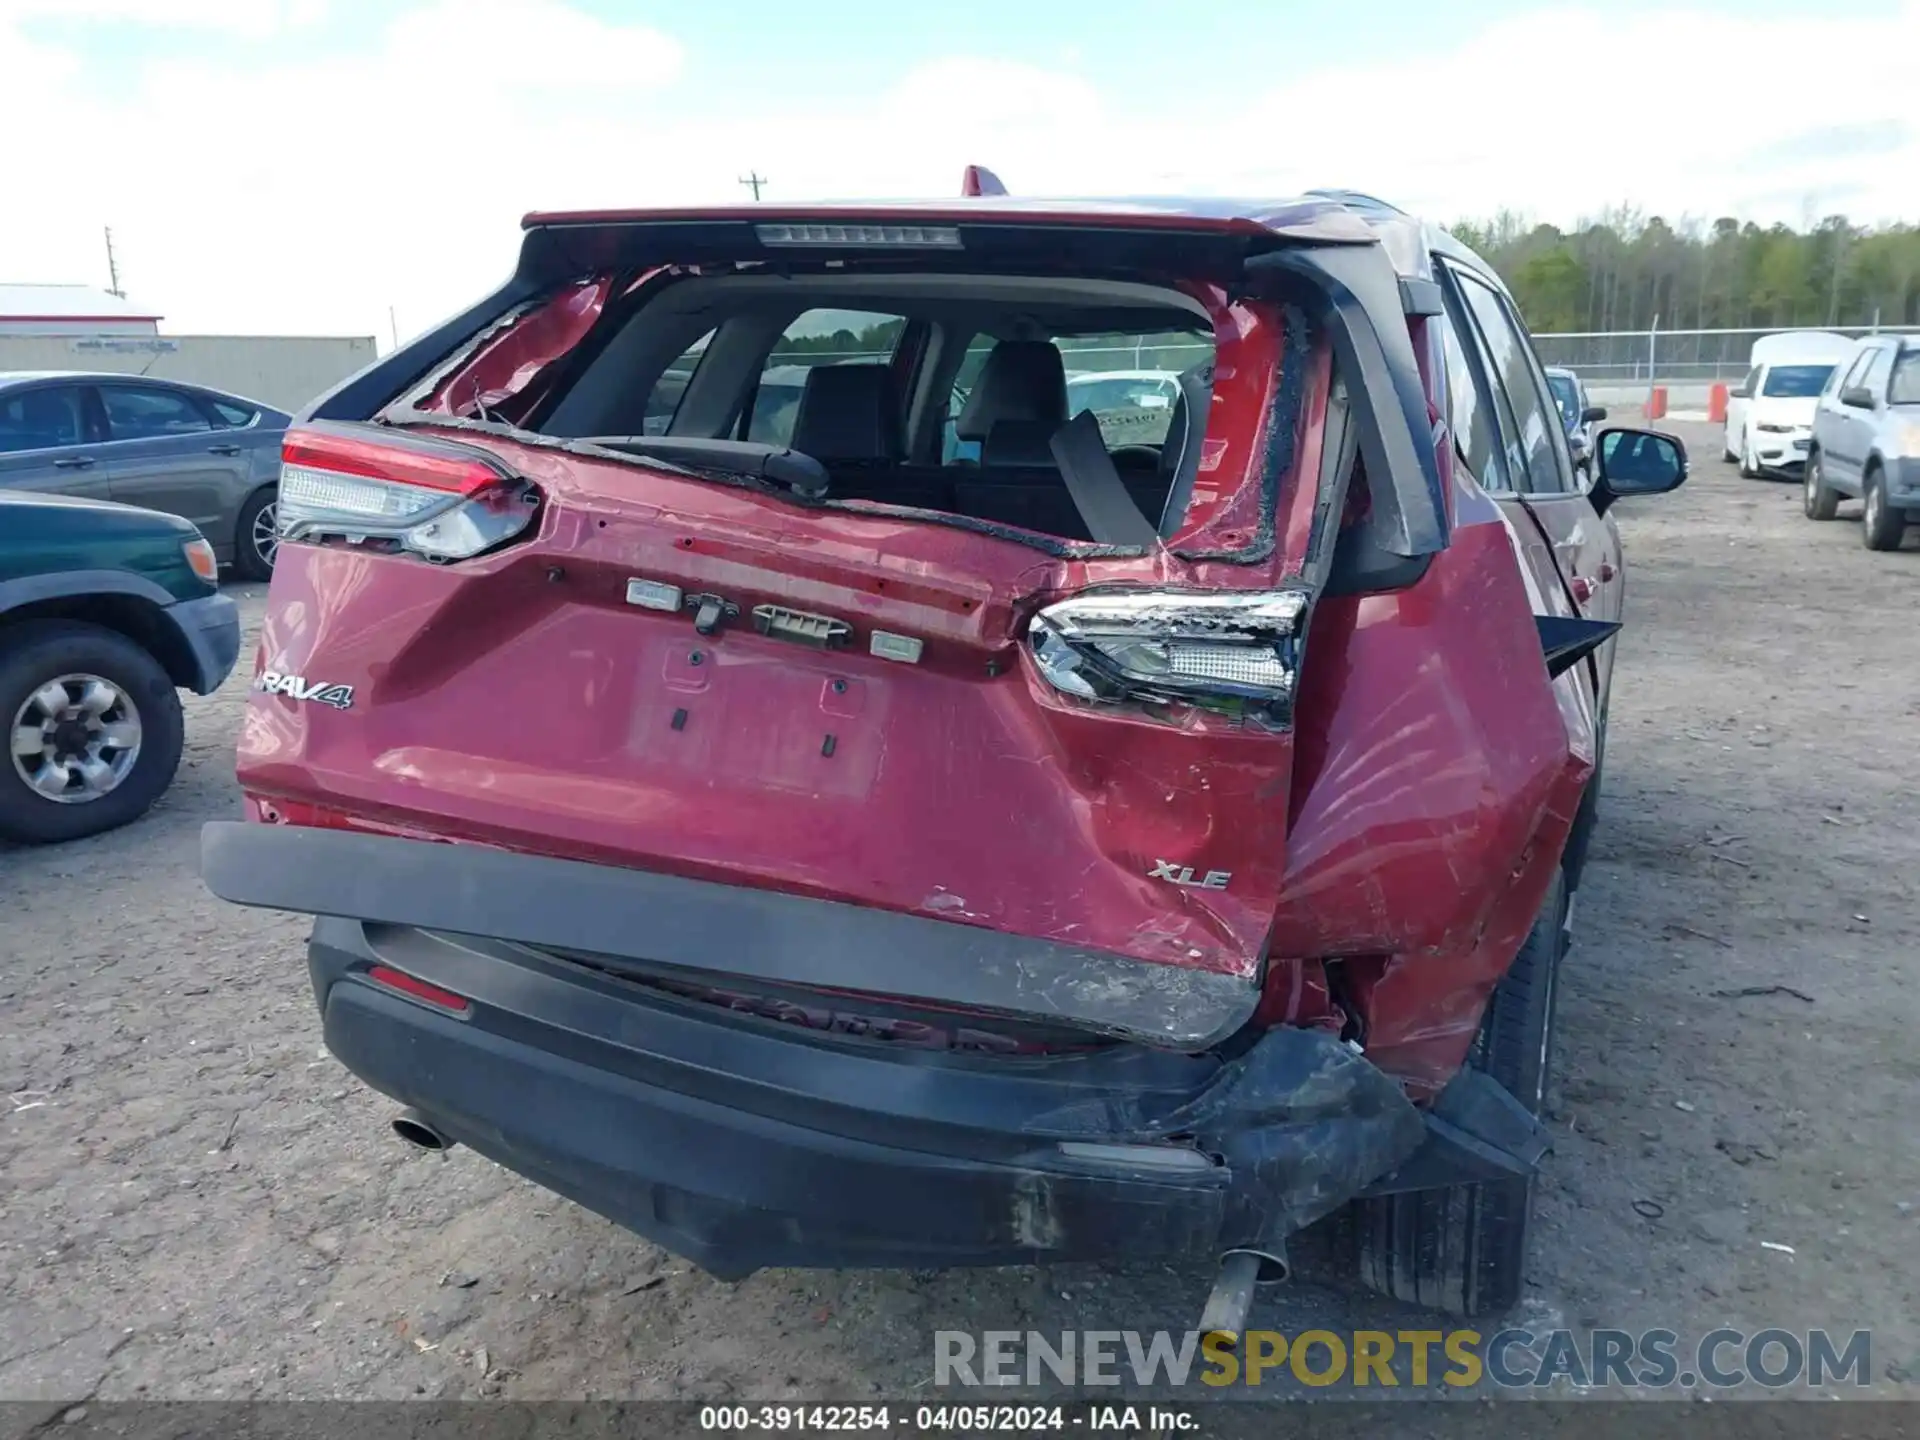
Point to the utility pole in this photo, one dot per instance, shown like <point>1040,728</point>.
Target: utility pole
<point>1839,269</point>
<point>393,325</point>
<point>113,269</point>
<point>753,180</point>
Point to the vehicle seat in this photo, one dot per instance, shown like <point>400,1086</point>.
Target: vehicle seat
<point>848,419</point>
<point>848,413</point>
<point>1018,443</point>
<point>1022,380</point>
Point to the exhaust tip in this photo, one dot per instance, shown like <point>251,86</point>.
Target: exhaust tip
<point>1274,1268</point>
<point>420,1132</point>
<point>1225,1316</point>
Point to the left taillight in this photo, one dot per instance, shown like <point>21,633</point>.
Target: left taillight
<point>432,498</point>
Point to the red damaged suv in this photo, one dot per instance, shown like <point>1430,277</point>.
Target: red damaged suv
<point>771,767</point>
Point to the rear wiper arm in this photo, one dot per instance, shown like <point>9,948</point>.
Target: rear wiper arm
<point>795,471</point>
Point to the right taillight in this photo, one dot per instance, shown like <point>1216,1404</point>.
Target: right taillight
<point>436,499</point>
<point>1235,652</point>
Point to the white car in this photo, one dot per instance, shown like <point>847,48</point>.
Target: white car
<point>1770,413</point>
<point>1104,391</point>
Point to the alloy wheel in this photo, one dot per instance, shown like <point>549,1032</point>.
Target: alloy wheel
<point>75,739</point>
<point>266,533</point>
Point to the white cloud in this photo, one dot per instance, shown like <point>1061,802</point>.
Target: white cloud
<point>310,191</point>
<point>251,18</point>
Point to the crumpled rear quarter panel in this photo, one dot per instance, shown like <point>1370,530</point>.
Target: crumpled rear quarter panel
<point>1437,775</point>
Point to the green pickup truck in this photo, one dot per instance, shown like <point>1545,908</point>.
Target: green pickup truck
<point>106,611</point>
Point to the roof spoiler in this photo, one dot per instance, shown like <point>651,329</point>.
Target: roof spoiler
<point>977,180</point>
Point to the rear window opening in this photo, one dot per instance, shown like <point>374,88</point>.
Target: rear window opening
<point>1071,407</point>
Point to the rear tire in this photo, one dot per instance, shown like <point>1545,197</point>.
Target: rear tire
<point>1818,499</point>
<point>254,540</point>
<point>1881,526</point>
<point>1464,1250</point>
<point>35,657</point>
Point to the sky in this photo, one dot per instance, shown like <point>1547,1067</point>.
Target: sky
<point>359,167</point>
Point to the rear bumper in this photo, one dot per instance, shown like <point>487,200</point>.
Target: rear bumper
<point>742,1142</point>
<point>671,922</point>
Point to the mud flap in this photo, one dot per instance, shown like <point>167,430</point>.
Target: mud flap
<point>1475,1132</point>
<point>1303,1128</point>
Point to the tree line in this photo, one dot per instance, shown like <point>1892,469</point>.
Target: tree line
<point>1621,270</point>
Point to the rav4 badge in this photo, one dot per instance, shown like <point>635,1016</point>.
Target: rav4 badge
<point>272,682</point>
<point>1183,875</point>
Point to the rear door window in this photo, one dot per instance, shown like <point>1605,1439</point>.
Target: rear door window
<point>146,413</point>
<point>1905,389</point>
<point>817,337</point>
<point>1130,409</point>
<point>1878,371</point>
<point>1470,415</point>
<point>663,401</point>
<point>232,415</point>
<point>1130,383</point>
<point>1538,447</point>
<point>41,419</point>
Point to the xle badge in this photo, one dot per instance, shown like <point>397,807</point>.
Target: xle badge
<point>272,682</point>
<point>1183,875</point>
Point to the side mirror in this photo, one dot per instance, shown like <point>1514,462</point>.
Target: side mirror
<point>1593,414</point>
<point>1858,396</point>
<point>1740,392</point>
<point>1636,462</point>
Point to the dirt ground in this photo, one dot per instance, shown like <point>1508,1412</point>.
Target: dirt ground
<point>198,1202</point>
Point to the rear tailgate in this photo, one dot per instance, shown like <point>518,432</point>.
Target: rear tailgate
<point>929,762</point>
<point>520,699</point>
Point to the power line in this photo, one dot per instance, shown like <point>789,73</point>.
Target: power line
<point>753,180</point>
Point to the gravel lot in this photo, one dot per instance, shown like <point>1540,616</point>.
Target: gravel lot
<point>199,1203</point>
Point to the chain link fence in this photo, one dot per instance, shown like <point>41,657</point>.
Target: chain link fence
<point>1147,352</point>
<point>1629,357</point>
<point>1600,357</point>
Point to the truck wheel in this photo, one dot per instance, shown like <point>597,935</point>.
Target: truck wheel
<point>93,729</point>
<point>256,537</point>
<point>1820,501</point>
<point>1464,1249</point>
<point>1881,526</point>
